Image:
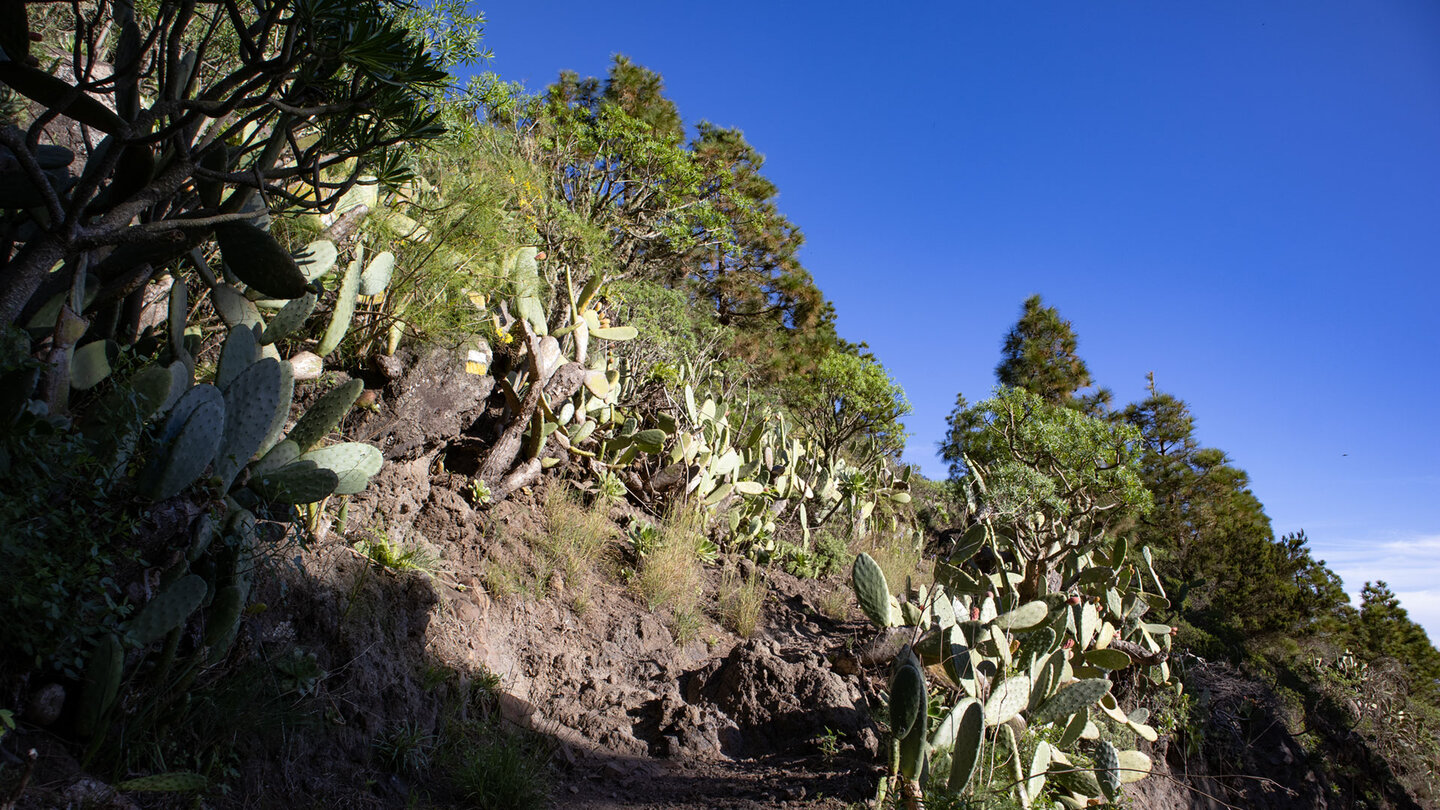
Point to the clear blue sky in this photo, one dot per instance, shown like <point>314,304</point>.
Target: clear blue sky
<point>1241,197</point>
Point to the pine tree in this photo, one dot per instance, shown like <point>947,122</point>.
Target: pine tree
<point>1039,355</point>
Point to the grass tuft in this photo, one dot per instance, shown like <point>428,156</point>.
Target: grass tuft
<point>741,602</point>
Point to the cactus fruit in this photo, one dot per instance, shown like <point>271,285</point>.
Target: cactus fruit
<point>352,463</point>
<point>191,436</point>
<point>1107,769</point>
<point>257,259</point>
<point>1073,698</point>
<point>102,683</point>
<point>324,415</point>
<point>251,402</point>
<point>871,590</point>
<point>168,610</point>
<point>1007,700</point>
<point>177,782</point>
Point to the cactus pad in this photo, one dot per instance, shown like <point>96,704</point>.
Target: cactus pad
<point>1107,769</point>
<point>1007,700</point>
<point>196,423</point>
<point>251,402</point>
<point>1026,617</point>
<point>871,590</point>
<point>324,415</point>
<point>168,610</point>
<point>1073,698</point>
<point>352,462</point>
<point>297,482</point>
<point>257,259</point>
<point>292,316</point>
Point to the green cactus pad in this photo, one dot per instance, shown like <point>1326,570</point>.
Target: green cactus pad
<point>292,316</point>
<point>177,782</point>
<point>196,423</point>
<point>1039,765</point>
<point>1007,700</point>
<point>615,333</point>
<point>257,259</point>
<point>324,415</point>
<point>168,610</point>
<point>377,274</point>
<point>1107,769</point>
<point>1075,697</point>
<point>907,700</point>
<point>871,590</point>
<point>239,352</point>
<point>90,364</point>
<point>316,259</point>
<point>234,308</point>
<point>969,737</point>
<point>224,615</point>
<point>278,456</point>
<point>282,410</point>
<point>1026,617</point>
<point>650,441</point>
<point>1134,766</point>
<point>251,402</point>
<point>1073,728</point>
<point>1108,659</point>
<point>295,483</point>
<point>1074,780</point>
<point>102,683</point>
<point>352,462</point>
<point>344,310</point>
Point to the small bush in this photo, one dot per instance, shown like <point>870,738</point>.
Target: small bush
<point>670,575</point>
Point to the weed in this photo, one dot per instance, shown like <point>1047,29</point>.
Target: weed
<point>828,743</point>
<point>405,749</point>
<point>686,624</point>
<point>396,558</point>
<point>479,492</point>
<point>835,603</point>
<point>741,602</point>
<point>897,556</point>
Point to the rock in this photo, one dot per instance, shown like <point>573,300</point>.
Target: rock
<point>45,704</point>
<point>306,366</point>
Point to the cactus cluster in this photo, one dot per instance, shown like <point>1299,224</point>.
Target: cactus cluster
<point>1013,668</point>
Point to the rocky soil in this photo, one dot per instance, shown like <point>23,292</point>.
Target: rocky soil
<point>631,716</point>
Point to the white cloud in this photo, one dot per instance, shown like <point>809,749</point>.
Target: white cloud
<point>1409,565</point>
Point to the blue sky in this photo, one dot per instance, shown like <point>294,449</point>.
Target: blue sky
<point>1243,198</point>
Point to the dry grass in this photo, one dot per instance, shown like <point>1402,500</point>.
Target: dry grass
<point>897,557</point>
<point>835,603</point>
<point>573,551</point>
<point>741,602</point>
<point>670,576</point>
